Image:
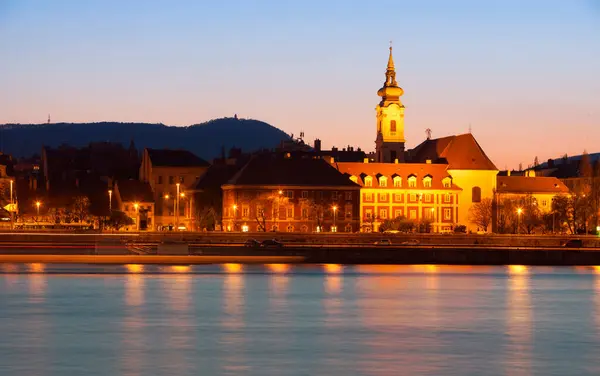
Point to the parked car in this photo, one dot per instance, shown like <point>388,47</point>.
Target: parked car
<point>411,242</point>
<point>573,243</point>
<point>383,242</point>
<point>271,243</point>
<point>252,243</point>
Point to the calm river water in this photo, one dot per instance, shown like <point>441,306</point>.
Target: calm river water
<point>298,320</point>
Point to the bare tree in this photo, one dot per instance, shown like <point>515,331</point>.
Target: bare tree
<point>480,213</point>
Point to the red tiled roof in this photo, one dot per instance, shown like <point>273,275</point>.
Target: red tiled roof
<point>375,170</point>
<point>461,152</point>
<point>524,184</point>
<point>270,169</point>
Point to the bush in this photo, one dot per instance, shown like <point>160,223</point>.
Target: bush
<point>460,229</point>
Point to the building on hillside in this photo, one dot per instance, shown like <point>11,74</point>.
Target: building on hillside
<point>467,163</point>
<point>173,176</point>
<point>275,192</point>
<point>423,193</point>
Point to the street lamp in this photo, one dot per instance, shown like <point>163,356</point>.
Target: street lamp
<point>334,218</point>
<point>11,205</point>
<point>177,208</point>
<point>137,216</point>
<point>110,200</point>
<point>519,212</point>
<point>37,205</point>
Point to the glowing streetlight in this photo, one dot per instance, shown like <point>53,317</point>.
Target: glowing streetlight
<point>519,212</point>
<point>280,192</point>
<point>177,207</point>
<point>37,205</point>
<point>166,197</point>
<point>11,205</point>
<point>334,217</point>
<point>110,200</point>
<point>137,216</point>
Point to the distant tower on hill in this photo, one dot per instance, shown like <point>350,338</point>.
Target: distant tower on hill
<point>48,118</point>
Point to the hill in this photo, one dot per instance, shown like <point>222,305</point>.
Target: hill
<point>205,140</point>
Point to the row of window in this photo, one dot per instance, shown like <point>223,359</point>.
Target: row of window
<point>335,195</point>
<point>397,181</point>
<point>290,228</point>
<point>244,211</point>
<point>411,214</point>
<point>412,197</point>
<point>172,179</point>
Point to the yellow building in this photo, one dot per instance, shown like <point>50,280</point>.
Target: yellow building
<point>420,192</point>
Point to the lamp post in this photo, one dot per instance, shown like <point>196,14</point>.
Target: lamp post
<point>37,205</point>
<point>110,200</point>
<point>234,215</point>
<point>334,218</point>
<point>137,216</point>
<point>12,224</point>
<point>519,211</point>
<point>177,208</point>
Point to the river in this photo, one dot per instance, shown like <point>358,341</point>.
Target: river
<point>298,320</point>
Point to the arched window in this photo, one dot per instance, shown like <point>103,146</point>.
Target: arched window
<point>476,194</point>
<point>393,126</point>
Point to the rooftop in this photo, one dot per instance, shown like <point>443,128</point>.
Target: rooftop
<point>461,152</point>
<point>525,184</point>
<point>135,191</point>
<point>175,158</point>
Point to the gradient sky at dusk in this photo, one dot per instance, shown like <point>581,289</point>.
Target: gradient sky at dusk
<point>524,74</point>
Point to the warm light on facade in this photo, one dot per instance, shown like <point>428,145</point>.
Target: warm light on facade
<point>245,228</point>
<point>180,268</point>
<point>36,268</point>
<point>166,197</point>
<point>520,211</point>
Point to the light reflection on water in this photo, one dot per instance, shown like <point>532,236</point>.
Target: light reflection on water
<point>287,320</point>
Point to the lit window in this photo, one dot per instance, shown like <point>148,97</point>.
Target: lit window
<point>383,213</point>
<point>544,203</point>
<point>383,197</point>
<point>289,194</point>
<point>368,213</point>
<point>383,181</point>
<point>304,194</point>
<point>290,212</point>
<point>412,214</point>
<point>447,183</point>
<point>245,228</point>
<point>304,213</point>
<point>427,182</point>
<point>393,126</point>
<point>398,197</point>
<point>447,214</point>
<point>397,213</point>
<point>427,197</point>
<point>447,197</point>
<point>368,181</point>
<point>413,197</point>
<point>369,196</point>
<point>412,182</point>
<point>397,182</point>
<point>245,212</point>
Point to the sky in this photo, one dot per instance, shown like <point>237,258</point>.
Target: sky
<point>524,76</point>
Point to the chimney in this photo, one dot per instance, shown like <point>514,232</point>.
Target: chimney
<point>366,160</point>
<point>396,161</point>
<point>332,160</point>
<point>428,161</point>
<point>317,145</point>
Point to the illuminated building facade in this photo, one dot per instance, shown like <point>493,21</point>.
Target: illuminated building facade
<point>136,200</point>
<point>274,192</point>
<point>420,192</point>
<point>172,175</point>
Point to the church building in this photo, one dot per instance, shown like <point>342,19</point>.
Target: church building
<point>436,182</point>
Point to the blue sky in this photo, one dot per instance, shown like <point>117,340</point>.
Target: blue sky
<point>524,74</point>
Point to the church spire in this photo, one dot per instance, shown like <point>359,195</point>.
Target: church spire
<point>390,73</point>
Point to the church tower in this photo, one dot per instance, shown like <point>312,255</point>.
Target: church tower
<point>389,144</point>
